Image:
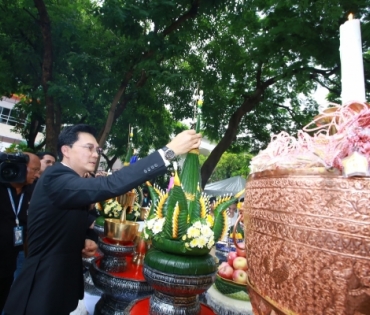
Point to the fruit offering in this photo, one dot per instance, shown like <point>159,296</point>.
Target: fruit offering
<point>235,268</point>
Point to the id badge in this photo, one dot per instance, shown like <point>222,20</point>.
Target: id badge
<point>18,235</point>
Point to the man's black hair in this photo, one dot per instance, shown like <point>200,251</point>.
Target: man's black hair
<point>43,153</point>
<point>212,199</point>
<point>69,136</point>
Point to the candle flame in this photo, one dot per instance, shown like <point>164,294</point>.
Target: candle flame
<point>350,17</point>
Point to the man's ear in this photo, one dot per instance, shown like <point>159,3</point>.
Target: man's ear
<point>65,150</point>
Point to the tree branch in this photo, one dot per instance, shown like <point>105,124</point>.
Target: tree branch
<point>190,14</point>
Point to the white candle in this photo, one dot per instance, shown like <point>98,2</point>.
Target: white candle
<point>353,81</point>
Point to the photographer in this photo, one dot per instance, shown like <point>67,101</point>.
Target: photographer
<point>13,223</point>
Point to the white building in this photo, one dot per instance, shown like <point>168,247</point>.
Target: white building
<point>7,123</point>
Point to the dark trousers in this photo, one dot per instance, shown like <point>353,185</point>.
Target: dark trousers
<point>5,284</point>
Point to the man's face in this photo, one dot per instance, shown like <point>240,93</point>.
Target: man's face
<point>212,205</point>
<point>232,210</point>
<point>82,156</point>
<point>47,160</point>
<point>33,169</point>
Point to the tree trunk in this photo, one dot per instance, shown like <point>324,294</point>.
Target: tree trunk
<point>33,131</point>
<point>111,114</point>
<point>230,135</point>
<point>47,76</point>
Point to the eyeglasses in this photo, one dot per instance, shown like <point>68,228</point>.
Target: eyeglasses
<point>91,148</point>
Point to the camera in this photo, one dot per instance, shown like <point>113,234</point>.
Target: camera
<point>13,167</point>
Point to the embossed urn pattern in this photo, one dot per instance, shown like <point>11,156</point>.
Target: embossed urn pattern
<point>308,241</point>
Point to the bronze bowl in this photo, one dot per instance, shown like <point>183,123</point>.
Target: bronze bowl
<point>307,235</point>
<point>120,232</point>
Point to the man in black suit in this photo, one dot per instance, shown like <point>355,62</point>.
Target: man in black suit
<point>51,281</point>
<point>15,199</point>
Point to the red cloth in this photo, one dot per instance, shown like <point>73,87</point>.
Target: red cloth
<point>142,308</point>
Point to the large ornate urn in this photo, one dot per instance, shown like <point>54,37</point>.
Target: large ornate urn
<point>308,242</point>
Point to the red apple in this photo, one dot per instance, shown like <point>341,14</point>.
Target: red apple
<point>240,263</point>
<point>230,258</point>
<point>226,272</point>
<point>223,264</point>
<point>240,250</point>
<point>240,276</point>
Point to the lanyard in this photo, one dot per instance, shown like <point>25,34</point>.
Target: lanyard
<point>16,212</point>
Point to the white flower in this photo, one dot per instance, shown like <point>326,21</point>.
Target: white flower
<point>202,241</point>
<point>194,243</point>
<point>158,226</point>
<point>193,232</point>
<point>150,223</point>
<point>197,224</point>
<point>206,231</point>
<point>210,243</point>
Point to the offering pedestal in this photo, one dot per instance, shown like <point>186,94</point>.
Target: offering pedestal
<point>142,307</point>
<point>119,288</point>
<point>114,256</point>
<point>88,282</point>
<point>225,305</point>
<point>176,294</point>
<point>118,278</point>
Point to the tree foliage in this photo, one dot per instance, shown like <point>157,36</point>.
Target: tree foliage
<point>130,62</point>
<point>230,165</point>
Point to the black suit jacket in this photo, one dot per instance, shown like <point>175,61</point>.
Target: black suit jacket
<point>51,281</point>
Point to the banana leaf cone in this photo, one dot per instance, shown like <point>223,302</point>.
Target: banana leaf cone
<point>130,152</point>
<point>190,179</point>
<point>154,193</point>
<point>220,227</point>
<point>190,174</point>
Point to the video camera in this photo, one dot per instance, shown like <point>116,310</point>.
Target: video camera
<point>13,167</point>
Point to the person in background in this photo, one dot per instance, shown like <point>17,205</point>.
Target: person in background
<point>232,214</point>
<point>146,198</point>
<point>212,202</point>
<point>51,281</point>
<point>47,159</point>
<point>240,207</point>
<point>13,224</point>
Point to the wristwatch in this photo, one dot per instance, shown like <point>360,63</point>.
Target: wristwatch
<point>168,154</point>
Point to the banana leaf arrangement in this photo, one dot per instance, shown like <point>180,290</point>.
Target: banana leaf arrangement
<point>179,221</point>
